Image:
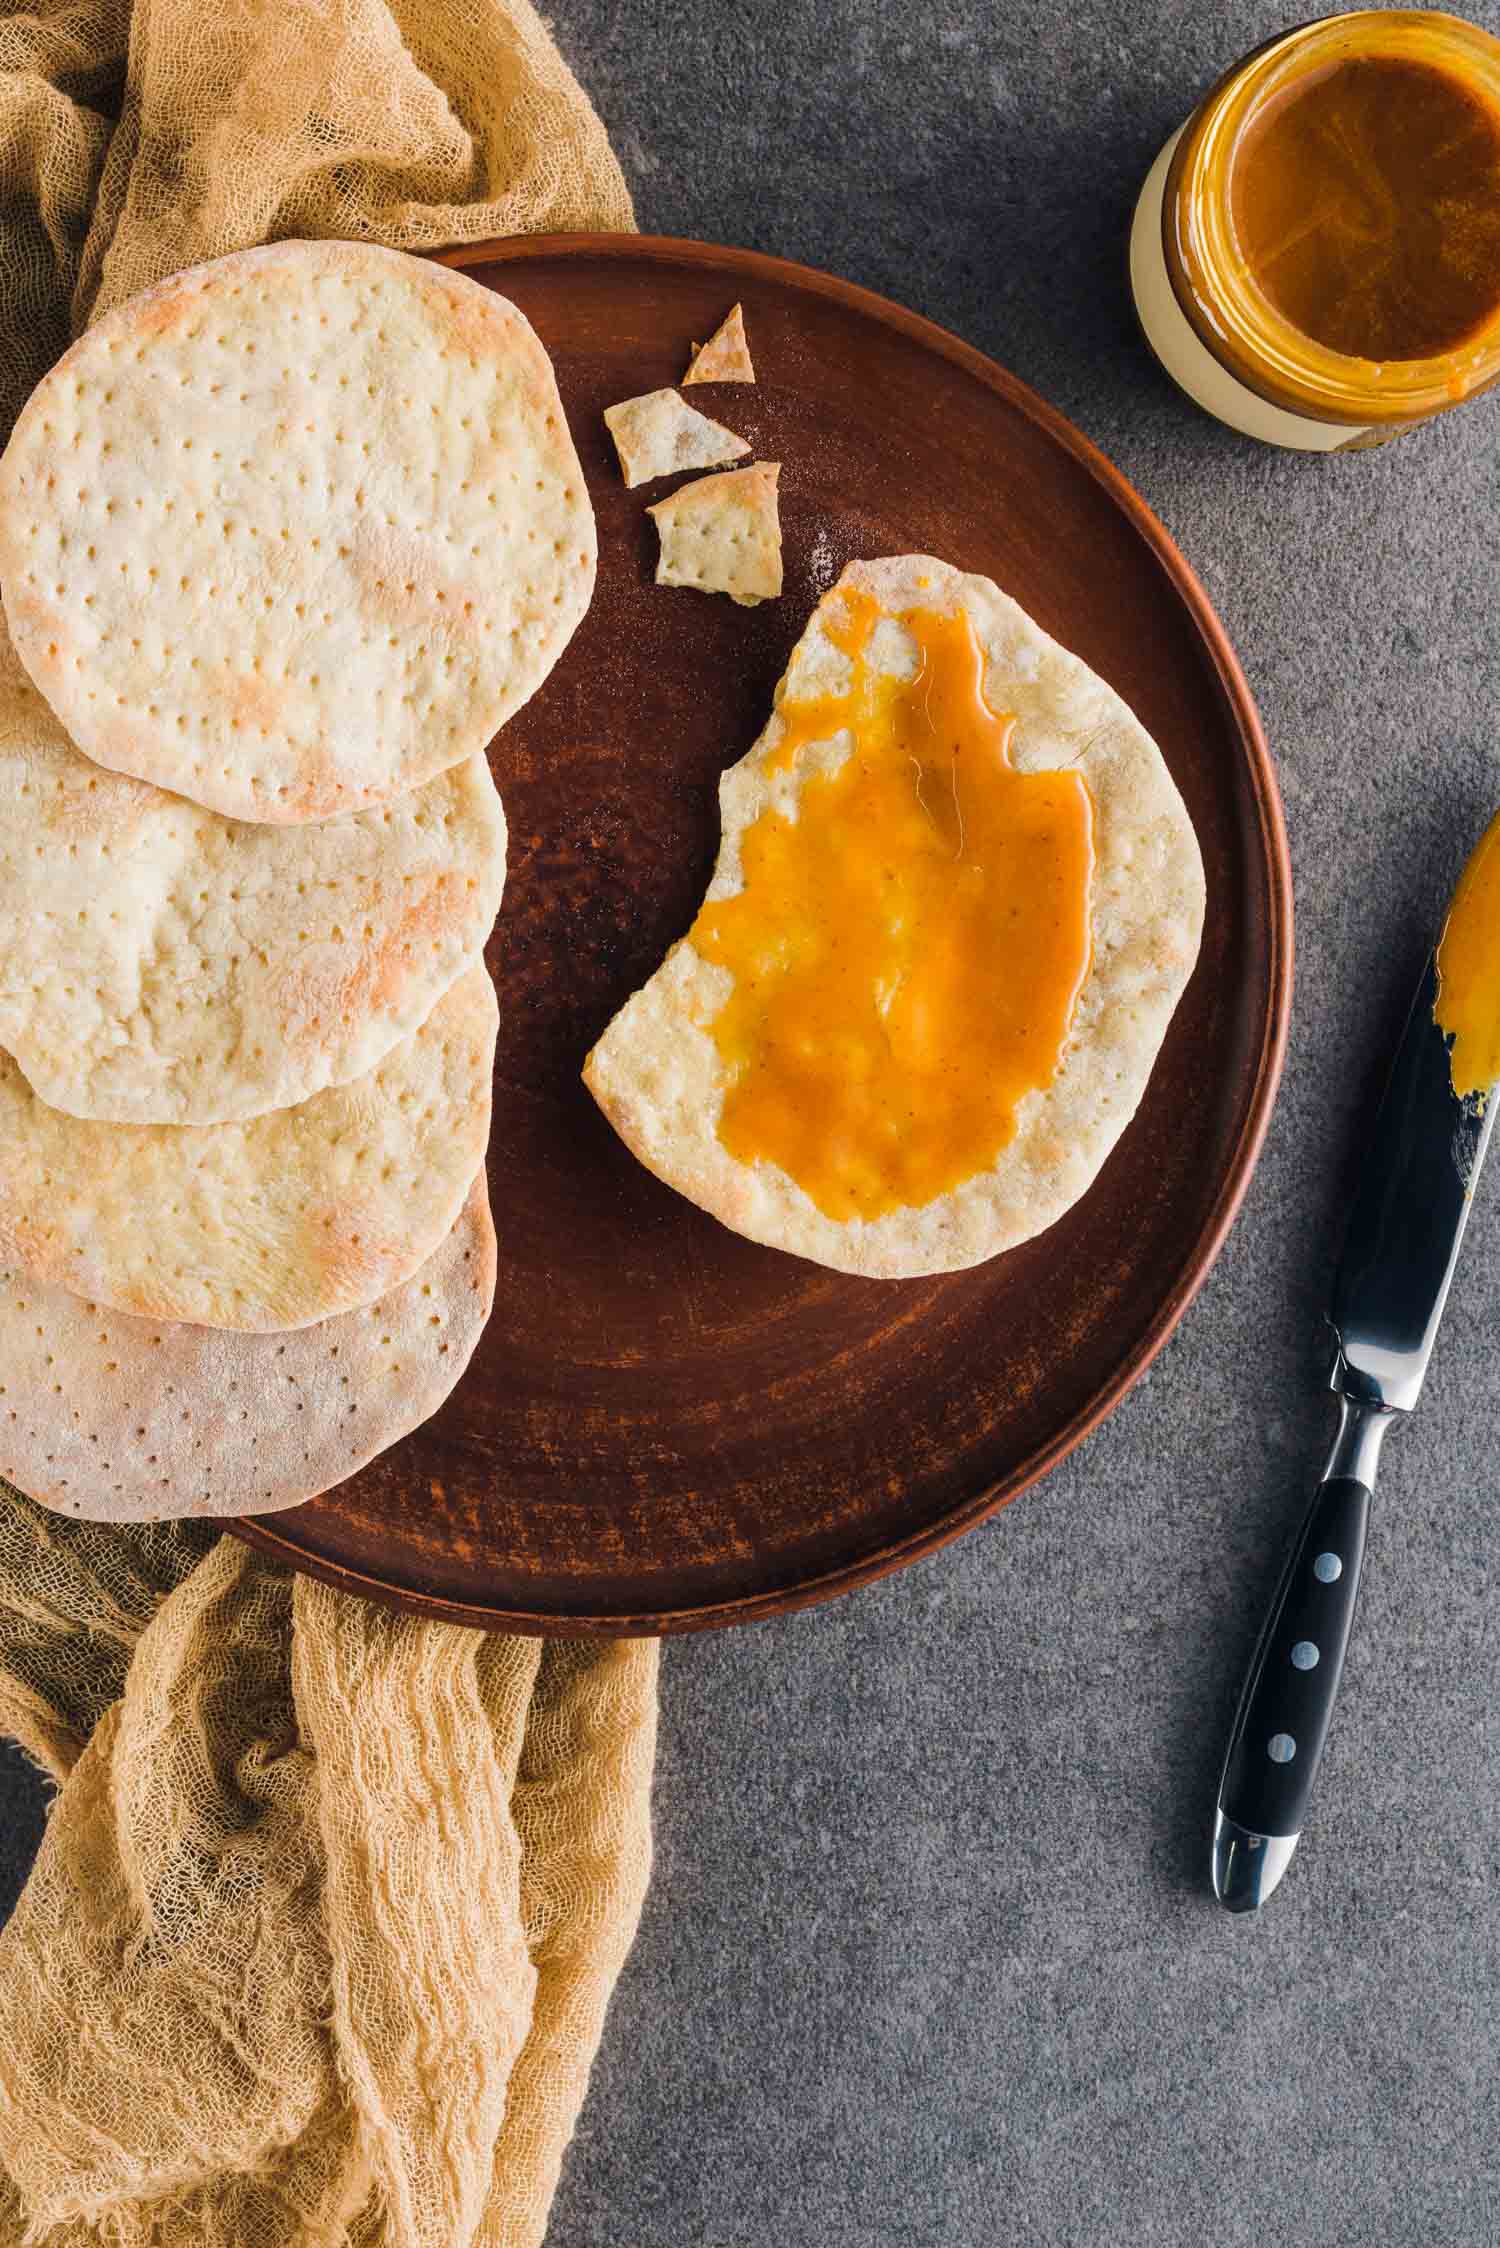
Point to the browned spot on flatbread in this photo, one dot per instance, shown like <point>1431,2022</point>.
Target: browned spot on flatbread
<point>165,307</point>
<point>41,617</point>
<point>307,997</point>
<point>481,326</point>
<point>384,970</point>
<point>347,1243</point>
<point>256,704</point>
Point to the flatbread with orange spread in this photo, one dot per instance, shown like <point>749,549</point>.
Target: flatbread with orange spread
<point>957,899</point>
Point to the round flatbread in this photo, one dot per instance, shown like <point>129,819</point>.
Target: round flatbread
<point>117,1419</point>
<point>292,1217</point>
<point>293,532</point>
<point>658,1074</point>
<point>162,965</point>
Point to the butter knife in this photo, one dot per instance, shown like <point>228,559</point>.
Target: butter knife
<point>1406,1223</point>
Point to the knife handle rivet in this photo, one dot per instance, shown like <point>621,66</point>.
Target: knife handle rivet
<point>1281,1748</point>
<point>1328,1568</point>
<point>1305,1655</point>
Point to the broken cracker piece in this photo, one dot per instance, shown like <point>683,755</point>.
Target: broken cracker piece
<point>726,355</point>
<point>722,534</point>
<point>659,433</point>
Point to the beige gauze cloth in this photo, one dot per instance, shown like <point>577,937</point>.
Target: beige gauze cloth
<point>330,1902</point>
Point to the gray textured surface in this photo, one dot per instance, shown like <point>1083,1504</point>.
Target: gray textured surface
<point>929,1958</point>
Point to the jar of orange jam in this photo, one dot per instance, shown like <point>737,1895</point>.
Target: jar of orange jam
<point>1315,256</point>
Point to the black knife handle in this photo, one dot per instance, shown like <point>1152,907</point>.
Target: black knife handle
<point>1284,1711</point>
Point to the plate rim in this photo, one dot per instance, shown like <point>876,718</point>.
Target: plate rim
<point>261,1531</point>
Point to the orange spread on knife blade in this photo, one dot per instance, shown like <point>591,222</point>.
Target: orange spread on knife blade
<point>909,948</point>
<point>1468,963</point>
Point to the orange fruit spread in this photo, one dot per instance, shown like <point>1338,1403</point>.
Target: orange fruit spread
<point>1468,962</point>
<point>909,948</point>
<point>1366,204</point>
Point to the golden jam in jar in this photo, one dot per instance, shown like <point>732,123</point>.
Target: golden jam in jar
<point>1316,255</point>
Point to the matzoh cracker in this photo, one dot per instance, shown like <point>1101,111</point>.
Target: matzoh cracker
<point>293,532</point>
<point>726,355</point>
<point>722,534</point>
<point>116,1419</point>
<point>659,434</point>
<point>292,1217</point>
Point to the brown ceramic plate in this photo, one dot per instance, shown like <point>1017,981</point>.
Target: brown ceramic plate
<point>666,1427</point>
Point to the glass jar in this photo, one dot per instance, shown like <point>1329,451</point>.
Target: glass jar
<point>1308,191</point>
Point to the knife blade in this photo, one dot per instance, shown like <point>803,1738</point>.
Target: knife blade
<point>1405,1227</point>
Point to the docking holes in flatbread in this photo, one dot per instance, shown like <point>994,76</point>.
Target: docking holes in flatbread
<point>292,1217</point>
<point>162,965</point>
<point>293,532</point>
<point>723,535</point>
<point>116,1419</point>
<point>658,1072</point>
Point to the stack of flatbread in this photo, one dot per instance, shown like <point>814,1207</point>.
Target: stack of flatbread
<point>283,542</point>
